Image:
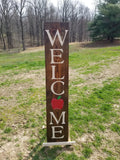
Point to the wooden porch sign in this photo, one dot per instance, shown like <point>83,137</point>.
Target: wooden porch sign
<point>56,58</point>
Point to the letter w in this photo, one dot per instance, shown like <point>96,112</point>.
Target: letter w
<point>57,121</point>
<point>52,40</point>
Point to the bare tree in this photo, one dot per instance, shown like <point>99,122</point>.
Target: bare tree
<point>64,9</point>
<point>20,8</point>
<point>7,11</point>
<point>84,17</point>
<point>43,12</point>
<point>36,7</point>
<point>16,30</point>
<point>40,12</point>
<point>2,33</point>
<point>73,19</point>
<point>52,13</point>
<point>31,24</point>
<point>77,15</point>
<point>37,21</point>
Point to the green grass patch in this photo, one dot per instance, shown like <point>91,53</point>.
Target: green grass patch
<point>95,109</point>
<point>87,151</point>
<point>115,128</point>
<point>71,156</point>
<point>91,108</point>
<point>85,59</point>
<point>18,81</point>
<point>2,125</point>
<point>98,140</point>
<point>7,130</point>
<point>110,158</point>
<point>16,62</point>
<point>32,141</point>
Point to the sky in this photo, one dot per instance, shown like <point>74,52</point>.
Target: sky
<point>89,3</point>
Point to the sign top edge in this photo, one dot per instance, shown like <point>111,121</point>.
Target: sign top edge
<point>57,24</point>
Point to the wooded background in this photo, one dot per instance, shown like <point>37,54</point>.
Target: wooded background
<point>22,22</point>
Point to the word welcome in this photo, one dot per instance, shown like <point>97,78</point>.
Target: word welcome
<point>56,82</point>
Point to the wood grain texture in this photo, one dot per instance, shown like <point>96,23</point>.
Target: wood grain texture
<point>60,71</point>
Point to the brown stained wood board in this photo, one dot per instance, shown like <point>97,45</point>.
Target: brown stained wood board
<point>56,59</point>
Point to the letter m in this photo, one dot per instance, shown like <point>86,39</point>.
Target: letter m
<point>52,40</point>
<point>62,116</point>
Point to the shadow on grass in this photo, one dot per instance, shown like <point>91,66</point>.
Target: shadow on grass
<point>47,153</point>
<point>99,44</point>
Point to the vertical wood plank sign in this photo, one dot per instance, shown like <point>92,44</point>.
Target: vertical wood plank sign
<point>56,59</point>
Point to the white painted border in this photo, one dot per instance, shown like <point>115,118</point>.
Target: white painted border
<point>58,143</point>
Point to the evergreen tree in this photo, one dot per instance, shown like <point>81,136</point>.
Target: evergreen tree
<point>106,24</point>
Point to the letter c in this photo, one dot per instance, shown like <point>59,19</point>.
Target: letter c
<point>52,88</point>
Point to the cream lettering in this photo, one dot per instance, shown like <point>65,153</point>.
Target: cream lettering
<point>52,88</point>
<point>52,41</point>
<point>58,131</point>
<point>62,117</point>
<point>53,74</point>
<point>53,55</point>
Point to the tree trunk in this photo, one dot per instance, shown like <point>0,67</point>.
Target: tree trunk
<point>108,38</point>
<point>3,41</point>
<point>111,39</point>
<point>37,32</point>
<point>2,36</point>
<point>22,33</point>
<point>8,34</point>
<point>41,33</point>
<point>37,27</point>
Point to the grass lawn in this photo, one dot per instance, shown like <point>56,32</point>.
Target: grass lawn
<point>94,106</point>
